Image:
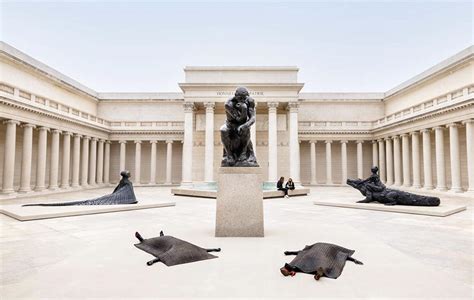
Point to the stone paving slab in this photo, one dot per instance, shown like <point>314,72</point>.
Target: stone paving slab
<point>44,212</point>
<point>438,211</point>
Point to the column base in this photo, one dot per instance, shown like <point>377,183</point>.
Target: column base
<point>456,190</point>
<point>8,192</point>
<point>441,189</point>
<point>25,191</point>
<point>186,184</point>
<point>53,188</point>
<point>418,186</point>
<point>427,188</point>
<point>40,189</point>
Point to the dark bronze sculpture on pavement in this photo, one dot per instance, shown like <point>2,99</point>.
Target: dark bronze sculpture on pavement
<point>172,251</point>
<point>235,133</point>
<point>320,259</point>
<point>374,190</point>
<point>122,194</point>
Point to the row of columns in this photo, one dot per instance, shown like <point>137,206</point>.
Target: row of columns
<point>329,177</point>
<point>396,169</point>
<point>94,170</point>
<point>136,177</point>
<point>294,151</point>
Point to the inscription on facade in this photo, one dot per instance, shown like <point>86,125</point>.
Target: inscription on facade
<point>230,93</point>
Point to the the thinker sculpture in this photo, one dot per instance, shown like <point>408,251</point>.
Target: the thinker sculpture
<point>374,190</point>
<point>235,133</point>
<point>122,194</point>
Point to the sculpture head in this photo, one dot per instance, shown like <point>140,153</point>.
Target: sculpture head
<point>241,93</point>
<point>374,169</point>
<point>125,174</point>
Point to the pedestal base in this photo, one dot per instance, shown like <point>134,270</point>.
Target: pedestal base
<point>239,207</point>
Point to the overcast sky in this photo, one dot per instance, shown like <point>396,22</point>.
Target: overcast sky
<point>142,47</point>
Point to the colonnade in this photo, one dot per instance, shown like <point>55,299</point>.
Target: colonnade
<point>137,175</point>
<point>401,165</point>
<point>294,150</point>
<point>90,164</point>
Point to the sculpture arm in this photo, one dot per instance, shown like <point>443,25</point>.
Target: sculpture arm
<point>250,114</point>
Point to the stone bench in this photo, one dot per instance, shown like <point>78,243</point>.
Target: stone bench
<point>213,194</point>
<point>279,194</point>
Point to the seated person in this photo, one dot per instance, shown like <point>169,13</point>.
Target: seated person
<point>290,185</point>
<point>280,186</point>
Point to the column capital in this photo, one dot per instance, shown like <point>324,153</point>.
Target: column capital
<point>395,137</point>
<point>67,133</point>
<point>28,125</point>
<point>404,135</point>
<point>102,141</point>
<point>108,142</point>
<point>271,105</point>
<point>122,142</point>
<point>425,130</point>
<point>415,133</point>
<point>313,141</point>
<point>94,139</point>
<point>293,106</point>
<point>209,106</point>
<point>153,141</point>
<point>43,128</point>
<point>452,125</point>
<point>344,141</point>
<point>77,135</point>
<point>328,141</point>
<point>188,106</point>
<point>374,141</point>
<point>57,131</point>
<point>387,138</point>
<point>85,137</point>
<point>137,142</point>
<point>469,121</point>
<point>11,122</point>
<point>169,141</point>
<point>380,140</point>
<point>438,128</point>
<point>359,141</point>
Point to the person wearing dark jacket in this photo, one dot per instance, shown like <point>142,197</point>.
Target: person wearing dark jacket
<point>280,186</point>
<point>290,185</point>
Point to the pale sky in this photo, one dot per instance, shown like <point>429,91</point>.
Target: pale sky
<point>339,46</point>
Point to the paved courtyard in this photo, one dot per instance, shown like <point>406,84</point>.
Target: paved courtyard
<point>93,256</point>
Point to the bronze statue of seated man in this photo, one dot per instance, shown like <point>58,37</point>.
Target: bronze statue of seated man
<point>235,133</point>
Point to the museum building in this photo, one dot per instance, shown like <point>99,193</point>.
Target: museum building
<point>57,134</point>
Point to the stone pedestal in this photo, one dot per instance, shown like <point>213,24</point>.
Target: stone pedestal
<point>239,204</point>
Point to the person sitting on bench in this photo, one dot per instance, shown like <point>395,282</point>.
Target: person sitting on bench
<point>290,185</point>
<point>280,186</point>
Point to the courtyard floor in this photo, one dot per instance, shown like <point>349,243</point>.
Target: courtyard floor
<point>93,256</point>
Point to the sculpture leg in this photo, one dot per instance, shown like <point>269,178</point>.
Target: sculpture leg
<point>244,143</point>
<point>227,159</point>
<point>214,250</point>
<point>366,200</point>
<point>139,236</point>
<point>357,262</point>
<point>151,262</point>
<point>291,252</point>
<point>319,273</point>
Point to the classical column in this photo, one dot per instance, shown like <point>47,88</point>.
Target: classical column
<point>66,160</point>
<point>272,141</point>
<point>123,152</point>
<point>427,173</point>
<point>76,160</point>
<point>153,162</point>
<point>253,133</point>
<point>344,161</point>
<point>100,162</point>
<point>25,180</point>
<point>9,157</point>
<point>328,163</point>
<point>406,159</point>
<point>360,160</point>
<point>440,164</point>
<point>54,163</point>
<point>454,157</point>
<point>107,162</point>
<point>209,143</point>
<point>187,161</point>
<point>397,161</point>
<point>313,162</point>
<point>85,160</point>
<point>389,156</point>
<point>41,162</point>
<point>138,162</point>
<point>415,155</point>
<point>294,142</point>
<point>375,154</point>
<point>93,161</point>
<point>169,161</point>
<point>382,172</point>
<point>470,153</point>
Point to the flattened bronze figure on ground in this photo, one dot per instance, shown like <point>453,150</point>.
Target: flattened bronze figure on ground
<point>235,133</point>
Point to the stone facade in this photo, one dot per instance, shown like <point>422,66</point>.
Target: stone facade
<point>57,134</point>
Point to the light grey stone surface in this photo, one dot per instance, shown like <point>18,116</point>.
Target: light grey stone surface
<point>239,207</point>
